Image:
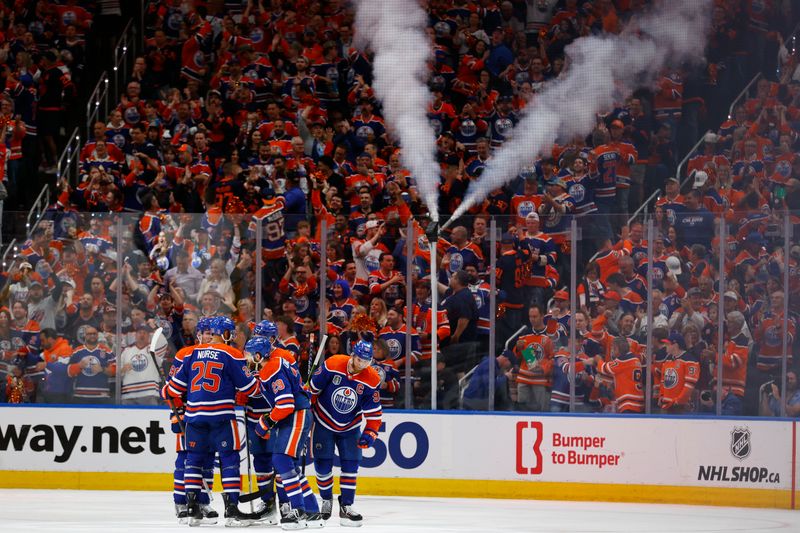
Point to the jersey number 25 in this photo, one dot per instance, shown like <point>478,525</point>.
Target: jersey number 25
<point>207,375</point>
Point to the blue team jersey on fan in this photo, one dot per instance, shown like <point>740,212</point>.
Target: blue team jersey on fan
<point>343,400</point>
<point>92,381</point>
<point>209,377</point>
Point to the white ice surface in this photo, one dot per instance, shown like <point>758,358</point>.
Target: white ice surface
<point>67,511</point>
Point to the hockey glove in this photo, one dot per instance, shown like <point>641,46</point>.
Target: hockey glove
<point>265,424</point>
<point>241,398</point>
<point>367,438</point>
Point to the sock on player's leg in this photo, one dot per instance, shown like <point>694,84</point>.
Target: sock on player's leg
<point>324,471</point>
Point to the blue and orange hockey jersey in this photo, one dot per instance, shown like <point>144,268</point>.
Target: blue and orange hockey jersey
<point>209,377</point>
<point>344,399</point>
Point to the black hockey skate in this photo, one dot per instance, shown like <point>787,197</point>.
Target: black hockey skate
<point>210,516</point>
<point>326,509</point>
<point>293,519</point>
<point>347,516</point>
<point>233,516</point>
<point>315,520</point>
<point>193,512</point>
<point>267,514</point>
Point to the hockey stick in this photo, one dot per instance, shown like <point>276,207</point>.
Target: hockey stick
<point>311,370</point>
<point>153,345</point>
<point>247,452</point>
<point>317,358</point>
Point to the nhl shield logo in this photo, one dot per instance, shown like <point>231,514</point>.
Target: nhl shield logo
<point>337,379</point>
<point>740,442</point>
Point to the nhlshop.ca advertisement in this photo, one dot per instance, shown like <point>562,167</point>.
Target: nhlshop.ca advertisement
<point>680,452</point>
<point>559,449</point>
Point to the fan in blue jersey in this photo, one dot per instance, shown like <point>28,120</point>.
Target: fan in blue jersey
<point>347,391</point>
<point>287,426</point>
<point>209,377</point>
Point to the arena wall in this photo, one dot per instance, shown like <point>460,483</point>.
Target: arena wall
<point>709,461</point>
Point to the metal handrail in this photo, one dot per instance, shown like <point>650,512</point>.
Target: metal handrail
<point>644,206</point>
<point>37,210</point>
<point>125,47</point>
<point>68,167</point>
<point>742,94</point>
<point>689,155</point>
<point>11,246</point>
<point>99,95</point>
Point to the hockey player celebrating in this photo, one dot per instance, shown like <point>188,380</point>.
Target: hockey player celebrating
<point>287,424</point>
<point>209,377</point>
<point>210,516</point>
<point>347,391</point>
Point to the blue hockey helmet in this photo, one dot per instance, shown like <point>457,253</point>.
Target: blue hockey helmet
<point>220,325</point>
<point>266,328</point>
<point>258,348</point>
<point>363,350</point>
<point>203,324</point>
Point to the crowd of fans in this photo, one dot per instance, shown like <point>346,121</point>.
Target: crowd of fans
<point>253,137</point>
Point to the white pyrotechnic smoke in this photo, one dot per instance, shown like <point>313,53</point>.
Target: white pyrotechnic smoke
<point>395,30</point>
<point>598,67</point>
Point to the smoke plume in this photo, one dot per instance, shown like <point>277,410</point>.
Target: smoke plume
<point>600,70</point>
<point>395,31</point>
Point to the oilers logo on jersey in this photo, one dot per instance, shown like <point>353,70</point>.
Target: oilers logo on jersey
<point>670,378</point>
<point>468,128</point>
<point>344,400</point>
<point>395,349</point>
<point>456,262</point>
<point>772,336</point>
<point>577,192</point>
<point>89,370</point>
<point>525,208</point>
<point>139,362</point>
<point>364,132</point>
<point>504,127</point>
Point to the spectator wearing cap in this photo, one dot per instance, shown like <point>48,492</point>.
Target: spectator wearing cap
<point>543,276</point>
<point>556,205</point>
<point>559,318</point>
<point>612,310</point>
<point>678,377</point>
<point>690,311</point>
<point>462,315</point>
<point>367,251</point>
<point>503,118</point>
<point>137,372</point>
<point>57,384</point>
<point>627,159</point>
<point>695,223</point>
